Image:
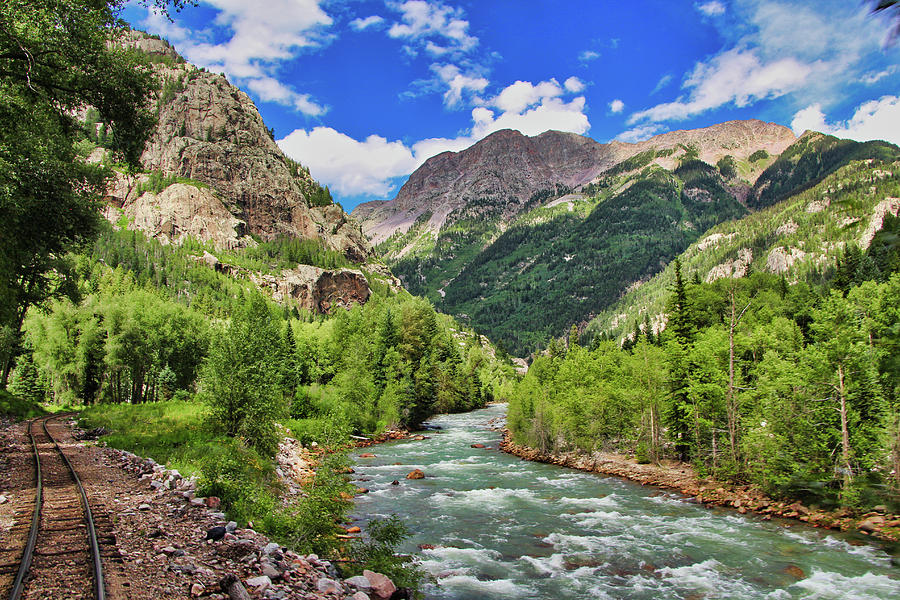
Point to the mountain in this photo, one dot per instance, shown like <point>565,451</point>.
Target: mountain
<point>523,236</point>
<point>213,174</point>
<point>801,237</point>
<point>213,170</point>
<point>508,171</point>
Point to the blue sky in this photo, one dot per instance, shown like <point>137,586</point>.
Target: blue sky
<point>364,91</point>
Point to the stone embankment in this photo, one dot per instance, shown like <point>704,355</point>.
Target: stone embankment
<point>681,477</point>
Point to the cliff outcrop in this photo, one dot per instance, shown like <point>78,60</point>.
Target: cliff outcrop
<point>210,132</point>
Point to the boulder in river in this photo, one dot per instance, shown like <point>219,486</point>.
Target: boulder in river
<point>477,445</point>
<point>416,474</point>
<point>794,571</point>
<point>367,455</point>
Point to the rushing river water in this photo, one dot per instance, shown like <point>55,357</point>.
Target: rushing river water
<point>506,528</point>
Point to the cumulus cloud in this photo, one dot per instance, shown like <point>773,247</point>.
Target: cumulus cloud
<point>873,120</point>
<point>713,8</point>
<point>588,55</point>
<point>438,28</point>
<point>641,133</point>
<point>574,85</point>
<point>616,106</point>
<point>355,167</point>
<point>361,24</point>
<point>347,165</point>
<point>521,94</point>
<point>785,47</point>
<point>262,37</point>
<point>457,83</point>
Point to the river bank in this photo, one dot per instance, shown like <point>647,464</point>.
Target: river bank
<point>681,477</point>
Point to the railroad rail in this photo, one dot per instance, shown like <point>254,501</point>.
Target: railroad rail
<point>62,548</point>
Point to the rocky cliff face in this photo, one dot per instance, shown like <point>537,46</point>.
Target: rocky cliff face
<point>211,132</point>
<point>507,169</point>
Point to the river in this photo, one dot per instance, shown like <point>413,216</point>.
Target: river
<point>506,528</point>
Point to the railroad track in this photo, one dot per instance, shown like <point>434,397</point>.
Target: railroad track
<point>61,555</point>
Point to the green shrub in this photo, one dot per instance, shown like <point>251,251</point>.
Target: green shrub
<point>758,155</point>
<point>19,408</point>
<point>379,553</point>
<point>241,478</point>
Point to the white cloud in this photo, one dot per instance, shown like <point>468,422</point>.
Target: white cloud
<point>458,83</point>
<point>423,21</point>
<point>873,78</point>
<point>810,118</point>
<point>361,24</point>
<point>811,51</point>
<point>349,166</point>
<point>737,77</point>
<point>270,89</point>
<point>640,133</point>
<point>262,37</point>
<point>353,167</point>
<point>616,106</point>
<point>873,120</point>
<point>574,85</point>
<point>588,55</point>
<point>713,8</point>
<point>663,82</point>
<point>522,94</point>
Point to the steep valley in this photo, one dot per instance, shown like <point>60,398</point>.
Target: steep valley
<point>522,237</point>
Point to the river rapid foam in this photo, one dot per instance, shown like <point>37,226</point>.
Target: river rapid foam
<point>505,528</point>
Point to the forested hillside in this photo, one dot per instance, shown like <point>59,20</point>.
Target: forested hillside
<point>793,388</point>
<point>801,238</point>
<point>556,265</point>
<point>570,252</point>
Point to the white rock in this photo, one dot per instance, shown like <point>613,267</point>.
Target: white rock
<point>259,583</point>
<point>359,582</point>
<point>326,585</point>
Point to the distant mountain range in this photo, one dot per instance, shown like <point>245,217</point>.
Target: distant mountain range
<point>524,236</point>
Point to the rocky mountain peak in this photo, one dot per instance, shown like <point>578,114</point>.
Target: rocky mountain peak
<point>505,170</point>
<point>210,132</point>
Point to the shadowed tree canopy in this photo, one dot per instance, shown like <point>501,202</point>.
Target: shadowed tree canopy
<point>56,59</point>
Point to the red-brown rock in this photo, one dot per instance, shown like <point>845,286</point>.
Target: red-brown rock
<point>416,474</point>
<point>382,587</point>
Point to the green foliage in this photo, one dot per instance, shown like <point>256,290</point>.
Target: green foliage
<point>55,59</point>
<point>285,252</point>
<point>808,161</point>
<point>820,221</point>
<point>758,155</point>
<point>320,196</point>
<point>809,410</point>
<point>552,268</point>
<point>17,407</point>
<point>377,552</point>
<point>727,167</point>
<point>241,375</point>
<point>170,432</point>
